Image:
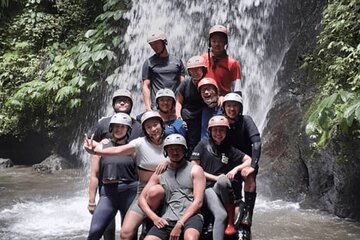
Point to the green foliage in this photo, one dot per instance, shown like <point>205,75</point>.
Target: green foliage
<point>335,65</point>
<point>52,63</point>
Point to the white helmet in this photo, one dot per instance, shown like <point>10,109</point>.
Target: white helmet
<point>156,35</point>
<point>233,97</point>
<point>174,139</point>
<point>120,118</point>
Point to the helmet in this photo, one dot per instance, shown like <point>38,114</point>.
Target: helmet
<point>218,121</point>
<point>165,92</point>
<point>175,139</point>
<point>122,93</point>
<point>196,61</point>
<point>207,81</point>
<point>120,118</point>
<point>219,29</point>
<point>233,97</point>
<point>150,114</point>
<point>155,36</point>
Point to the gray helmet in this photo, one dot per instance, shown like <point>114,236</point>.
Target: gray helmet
<point>122,93</point>
<point>233,97</point>
<point>175,139</point>
<point>150,114</point>
<point>120,118</point>
<point>165,92</point>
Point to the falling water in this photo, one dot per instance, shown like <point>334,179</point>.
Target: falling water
<point>34,207</point>
<point>187,23</point>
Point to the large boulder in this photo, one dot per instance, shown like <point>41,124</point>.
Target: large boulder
<point>51,164</point>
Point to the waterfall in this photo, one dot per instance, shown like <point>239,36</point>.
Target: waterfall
<point>186,24</point>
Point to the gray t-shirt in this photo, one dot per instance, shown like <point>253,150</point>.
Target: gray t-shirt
<point>147,155</point>
<point>162,73</point>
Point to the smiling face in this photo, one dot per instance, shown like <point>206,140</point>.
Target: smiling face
<point>217,43</point>
<point>218,134</point>
<point>166,104</point>
<point>209,95</point>
<point>119,131</point>
<point>153,128</point>
<point>196,74</point>
<point>232,109</point>
<point>122,104</point>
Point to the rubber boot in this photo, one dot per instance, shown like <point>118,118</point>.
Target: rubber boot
<point>230,210</point>
<point>250,198</point>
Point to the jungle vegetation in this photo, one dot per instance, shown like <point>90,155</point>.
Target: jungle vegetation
<point>335,67</point>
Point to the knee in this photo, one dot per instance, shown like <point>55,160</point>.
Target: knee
<point>125,234</point>
<point>155,196</point>
<point>191,234</point>
<point>155,192</point>
<point>223,182</point>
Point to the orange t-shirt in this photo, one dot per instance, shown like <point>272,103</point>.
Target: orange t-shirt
<point>227,70</point>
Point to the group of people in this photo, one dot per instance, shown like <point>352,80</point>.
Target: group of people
<point>184,158</point>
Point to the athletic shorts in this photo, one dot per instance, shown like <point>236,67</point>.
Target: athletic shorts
<point>134,205</point>
<point>196,222</point>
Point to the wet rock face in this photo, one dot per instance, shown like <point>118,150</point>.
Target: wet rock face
<point>334,183</point>
<point>289,168</point>
<point>5,163</point>
<point>51,164</point>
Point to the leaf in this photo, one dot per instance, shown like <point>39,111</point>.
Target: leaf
<point>74,103</point>
<point>90,33</point>
<point>64,93</point>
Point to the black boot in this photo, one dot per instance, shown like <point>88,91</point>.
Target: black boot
<point>250,198</point>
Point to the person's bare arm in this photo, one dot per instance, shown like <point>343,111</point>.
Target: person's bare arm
<point>208,176</point>
<point>178,106</point>
<point>94,182</point>
<point>122,150</point>
<point>146,94</point>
